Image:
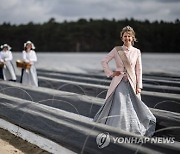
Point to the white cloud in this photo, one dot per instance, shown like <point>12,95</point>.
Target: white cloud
<point>21,11</point>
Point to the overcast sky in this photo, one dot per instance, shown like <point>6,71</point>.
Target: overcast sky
<point>39,11</point>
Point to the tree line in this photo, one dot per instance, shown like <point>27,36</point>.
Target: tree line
<point>92,35</point>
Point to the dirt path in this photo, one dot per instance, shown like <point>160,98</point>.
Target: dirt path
<point>10,144</point>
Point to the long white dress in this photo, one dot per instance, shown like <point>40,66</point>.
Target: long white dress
<point>123,109</point>
<point>8,69</point>
<point>29,76</point>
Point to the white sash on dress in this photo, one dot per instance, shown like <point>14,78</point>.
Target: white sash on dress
<point>127,65</point>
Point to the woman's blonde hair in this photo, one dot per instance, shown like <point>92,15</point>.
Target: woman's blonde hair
<point>130,31</point>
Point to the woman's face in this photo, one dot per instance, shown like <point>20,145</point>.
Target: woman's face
<point>127,39</point>
<point>5,49</point>
<point>28,46</point>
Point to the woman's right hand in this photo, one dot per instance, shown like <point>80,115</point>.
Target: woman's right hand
<point>116,73</point>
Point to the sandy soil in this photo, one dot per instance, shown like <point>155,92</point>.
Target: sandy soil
<point>11,144</point>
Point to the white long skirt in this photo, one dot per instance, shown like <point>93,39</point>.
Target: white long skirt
<point>29,77</point>
<point>9,71</point>
<point>123,109</point>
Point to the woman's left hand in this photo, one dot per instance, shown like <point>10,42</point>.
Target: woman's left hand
<point>138,91</point>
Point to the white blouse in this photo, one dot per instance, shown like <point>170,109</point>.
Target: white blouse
<point>5,56</point>
<point>30,56</point>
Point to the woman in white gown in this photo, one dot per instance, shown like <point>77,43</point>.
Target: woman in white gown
<point>29,76</point>
<point>123,107</point>
<point>8,71</point>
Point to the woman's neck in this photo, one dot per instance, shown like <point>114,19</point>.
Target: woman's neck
<point>28,50</point>
<point>127,45</point>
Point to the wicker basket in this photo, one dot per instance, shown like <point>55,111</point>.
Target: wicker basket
<point>1,65</point>
<point>22,64</point>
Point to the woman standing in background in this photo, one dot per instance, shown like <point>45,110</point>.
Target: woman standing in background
<point>123,107</point>
<point>29,75</point>
<point>7,69</point>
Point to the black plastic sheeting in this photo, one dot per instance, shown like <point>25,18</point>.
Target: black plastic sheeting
<point>151,95</point>
<point>70,131</point>
<point>56,115</point>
